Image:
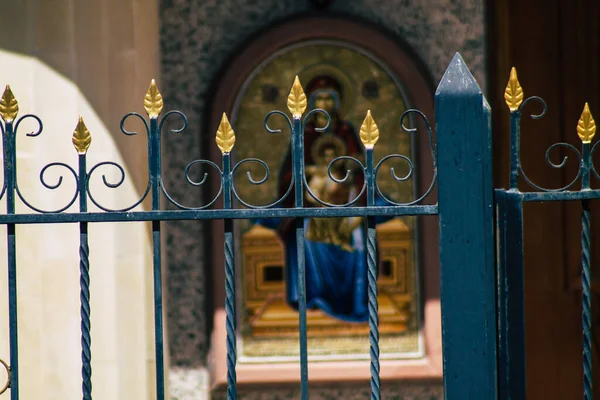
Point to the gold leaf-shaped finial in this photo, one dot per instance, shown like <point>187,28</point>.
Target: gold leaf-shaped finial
<point>369,133</point>
<point>81,137</point>
<point>297,99</point>
<point>9,108</point>
<point>513,94</point>
<point>586,127</point>
<point>225,135</point>
<point>153,101</point>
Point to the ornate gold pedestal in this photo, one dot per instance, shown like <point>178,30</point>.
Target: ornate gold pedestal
<point>269,315</point>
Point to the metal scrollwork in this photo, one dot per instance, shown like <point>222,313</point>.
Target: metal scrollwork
<point>340,169</point>
<point>43,171</point>
<point>52,187</point>
<point>189,167</point>
<point>411,167</point>
<point>336,180</point>
<point>592,165</point>
<point>586,128</point>
<point>111,185</point>
<point>264,165</point>
<point>119,168</point>
<point>192,182</point>
<point>517,137</point>
<point>8,376</point>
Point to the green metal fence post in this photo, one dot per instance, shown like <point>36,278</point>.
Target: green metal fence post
<point>465,193</point>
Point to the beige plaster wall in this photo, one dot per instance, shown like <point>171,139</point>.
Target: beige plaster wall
<point>62,59</point>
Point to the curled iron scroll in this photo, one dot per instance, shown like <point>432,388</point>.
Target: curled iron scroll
<point>339,181</point>
<point>8,378</point>
<point>264,165</point>
<point>51,186</point>
<point>195,183</point>
<point>409,163</point>
<point>560,165</point>
<point>119,168</point>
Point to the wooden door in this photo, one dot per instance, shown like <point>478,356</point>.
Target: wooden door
<point>555,46</point>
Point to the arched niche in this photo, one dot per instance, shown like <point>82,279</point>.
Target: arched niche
<point>413,82</point>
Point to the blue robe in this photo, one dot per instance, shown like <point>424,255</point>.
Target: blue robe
<point>336,279</point>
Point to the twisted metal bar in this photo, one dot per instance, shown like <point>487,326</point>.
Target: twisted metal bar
<point>230,310</point>
<point>84,275</point>
<point>227,178</point>
<point>373,305</point>
<point>86,340</point>
<point>586,301</point>
<point>373,308</point>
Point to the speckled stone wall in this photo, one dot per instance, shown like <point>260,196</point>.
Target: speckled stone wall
<point>197,39</point>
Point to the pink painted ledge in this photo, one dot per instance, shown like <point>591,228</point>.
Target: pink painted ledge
<point>427,368</point>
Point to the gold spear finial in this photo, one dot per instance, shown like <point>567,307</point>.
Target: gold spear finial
<point>513,94</point>
<point>225,135</point>
<point>9,108</point>
<point>369,132</point>
<point>586,127</point>
<point>153,101</point>
<point>81,137</point>
<point>296,99</point>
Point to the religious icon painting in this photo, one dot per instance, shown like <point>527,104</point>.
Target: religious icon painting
<point>345,82</point>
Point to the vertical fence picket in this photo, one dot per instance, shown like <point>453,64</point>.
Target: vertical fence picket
<point>468,286</point>
<point>587,134</point>
<point>10,177</point>
<point>511,307</point>
<point>225,140</point>
<point>81,141</point>
<point>153,104</point>
<point>298,173</point>
<point>369,136</point>
<point>297,105</point>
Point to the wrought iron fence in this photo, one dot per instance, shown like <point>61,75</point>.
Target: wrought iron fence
<point>483,349</point>
<point>509,202</point>
<point>225,139</point>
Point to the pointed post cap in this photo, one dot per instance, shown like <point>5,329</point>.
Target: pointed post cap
<point>457,79</point>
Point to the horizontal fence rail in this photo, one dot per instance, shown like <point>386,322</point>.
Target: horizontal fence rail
<point>370,202</point>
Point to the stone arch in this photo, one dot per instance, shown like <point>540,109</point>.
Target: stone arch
<point>400,60</point>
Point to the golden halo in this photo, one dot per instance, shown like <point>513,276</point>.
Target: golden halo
<point>348,90</point>
<point>324,140</point>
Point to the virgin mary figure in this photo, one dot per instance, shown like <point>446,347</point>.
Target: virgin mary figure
<point>336,268</point>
